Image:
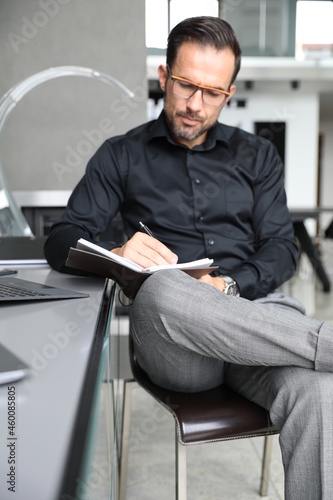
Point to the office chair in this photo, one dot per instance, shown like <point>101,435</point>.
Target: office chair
<point>218,414</point>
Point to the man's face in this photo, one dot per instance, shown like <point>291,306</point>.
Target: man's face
<point>190,119</point>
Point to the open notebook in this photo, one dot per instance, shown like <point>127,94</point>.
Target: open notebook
<point>92,258</point>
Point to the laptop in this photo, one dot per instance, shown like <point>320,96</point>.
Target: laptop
<point>4,271</point>
<point>11,367</point>
<point>22,250</point>
<point>14,289</point>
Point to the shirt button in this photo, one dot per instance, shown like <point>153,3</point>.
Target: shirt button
<point>211,242</point>
<point>197,181</point>
<point>201,218</point>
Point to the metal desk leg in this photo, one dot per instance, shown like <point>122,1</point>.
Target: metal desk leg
<point>310,250</point>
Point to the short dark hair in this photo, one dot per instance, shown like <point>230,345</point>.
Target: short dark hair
<point>205,31</point>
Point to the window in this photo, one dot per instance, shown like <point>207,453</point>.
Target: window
<point>314,33</point>
<point>162,15</point>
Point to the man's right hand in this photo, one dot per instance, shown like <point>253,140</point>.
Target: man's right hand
<point>146,251</point>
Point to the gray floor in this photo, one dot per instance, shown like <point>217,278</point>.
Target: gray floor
<point>229,470</point>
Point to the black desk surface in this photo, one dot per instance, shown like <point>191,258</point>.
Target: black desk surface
<point>308,213</point>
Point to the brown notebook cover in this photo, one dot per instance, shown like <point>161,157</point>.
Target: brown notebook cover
<point>128,279</point>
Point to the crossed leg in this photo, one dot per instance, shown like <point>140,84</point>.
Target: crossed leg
<point>300,402</point>
<point>188,336</point>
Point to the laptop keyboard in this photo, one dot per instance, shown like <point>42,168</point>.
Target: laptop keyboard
<point>16,291</point>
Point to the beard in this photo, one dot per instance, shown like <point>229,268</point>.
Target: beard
<point>184,132</point>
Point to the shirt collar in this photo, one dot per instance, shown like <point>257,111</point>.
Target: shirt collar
<point>218,133</point>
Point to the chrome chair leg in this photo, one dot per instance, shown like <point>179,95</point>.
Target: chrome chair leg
<point>129,386</point>
<point>268,447</point>
<point>181,470</point>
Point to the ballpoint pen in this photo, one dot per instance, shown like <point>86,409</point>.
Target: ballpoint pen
<point>146,229</point>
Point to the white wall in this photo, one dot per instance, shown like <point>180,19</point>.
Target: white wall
<point>300,111</point>
<point>55,128</point>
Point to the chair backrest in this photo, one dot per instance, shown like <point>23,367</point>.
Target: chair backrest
<point>215,415</point>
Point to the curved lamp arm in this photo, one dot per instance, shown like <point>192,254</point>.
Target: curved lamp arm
<point>15,94</point>
<point>12,221</point>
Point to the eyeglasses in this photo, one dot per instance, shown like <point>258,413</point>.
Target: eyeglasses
<point>186,89</point>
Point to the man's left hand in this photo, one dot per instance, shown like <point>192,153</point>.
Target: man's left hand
<point>215,281</point>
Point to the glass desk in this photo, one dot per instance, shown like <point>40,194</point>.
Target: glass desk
<point>92,464</point>
<point>92,470</point>
<point>65,409</point>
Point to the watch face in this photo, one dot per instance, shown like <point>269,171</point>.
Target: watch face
<point>231,286</point>
<point>232,289</point>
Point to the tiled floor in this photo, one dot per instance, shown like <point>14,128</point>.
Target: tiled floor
<point>229,470</point>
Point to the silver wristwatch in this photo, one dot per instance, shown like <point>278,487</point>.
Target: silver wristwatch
<point>231,287</point>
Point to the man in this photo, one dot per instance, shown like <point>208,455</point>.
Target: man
<point>208,190</point>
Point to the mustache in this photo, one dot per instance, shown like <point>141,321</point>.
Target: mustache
<point>191,116</point>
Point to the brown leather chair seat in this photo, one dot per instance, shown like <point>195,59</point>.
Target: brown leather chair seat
<point>218,414</point>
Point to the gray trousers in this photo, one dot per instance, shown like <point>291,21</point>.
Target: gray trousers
<point>189,336</point>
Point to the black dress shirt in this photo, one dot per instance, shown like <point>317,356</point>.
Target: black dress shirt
<point>223,199</point>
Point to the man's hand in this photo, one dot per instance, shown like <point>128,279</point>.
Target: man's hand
<point>146,251</point>
<point>215,281</point>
